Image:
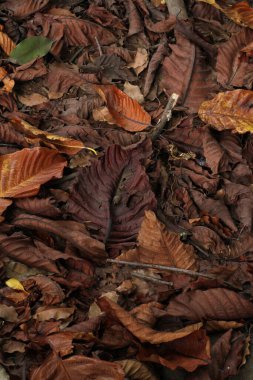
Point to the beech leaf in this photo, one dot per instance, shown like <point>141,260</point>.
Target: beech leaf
<point>30,49</point>
<point>13,283</point>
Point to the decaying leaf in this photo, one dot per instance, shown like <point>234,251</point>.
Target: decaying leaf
<point>109,188</point>
<point>126,112</point>
<point>229,110</point>
<point>24,171</point>
<point>157,245</point>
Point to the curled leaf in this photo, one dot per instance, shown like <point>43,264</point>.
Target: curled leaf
<point>126,112</point>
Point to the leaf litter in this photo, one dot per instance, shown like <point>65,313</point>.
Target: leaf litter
<point>126,198</point>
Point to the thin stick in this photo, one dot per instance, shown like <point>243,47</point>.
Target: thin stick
<point>177,8</point>
<point>151,279</point>
<point>80,50</point>
<point>166,116</point>
<point>99,47</point>
<point>171,269</point>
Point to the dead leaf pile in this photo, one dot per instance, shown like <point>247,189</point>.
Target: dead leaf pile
<point>126,242</point>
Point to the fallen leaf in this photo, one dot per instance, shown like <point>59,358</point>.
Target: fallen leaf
<point>140,61</point>
<point>229,110</point>
<point>45,313</point>
<point>13,283</point>
<point>7,81</point>
<point>136,370</point>
<point>134,92</point>
<point>24,8</point>
<point>126,112</point>
<point>23,172</point>
<point>30,49</point>
<point>8,313</point>
<point>157,245</point>
<point>6,42</point>
<point>32,99</point>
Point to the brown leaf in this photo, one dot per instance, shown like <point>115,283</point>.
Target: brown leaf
<point>62,144</point>
<point>77,367</point>
<point>157,245</point>
<point>186,73</point>
<point>126,112</point>
<point>134,92</point>
<point>136,370</point>
<point>71,231</point>
<point>219,303</point>
<point>39,206</point>
<point>52,293</point>
<point>24,8</point>
<point>229,110</point>
<point>45,313</point>
<point>140,61</point>
<point>140,331</point>
<point>162,26</point>
<point>108,188</point>
<point>30,70</point>
<point>231,70</point>
<point>8,313</point>
<point>104,17</point>
<point>7,81</point>
<point>135,22</point>
<point>23,172</point>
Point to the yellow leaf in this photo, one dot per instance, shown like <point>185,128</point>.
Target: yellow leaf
<point>13,283</point>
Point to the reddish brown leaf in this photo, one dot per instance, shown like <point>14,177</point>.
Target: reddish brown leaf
<point>126,112</point>
<point>77,367</point>
<point>140,331</point>
<point>24,8</point>
<point>52,293</point>
<point>219,303</point>
<point>157,245</point>
<point>24,171</point>
<point>104,17</point>
<point>111,197</point>
<point>186,73</point>
<point>39,206</point>
<point>73,232</point>
<point>30,70</point>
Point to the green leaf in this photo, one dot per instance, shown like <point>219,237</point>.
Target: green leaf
<point>30,49</point>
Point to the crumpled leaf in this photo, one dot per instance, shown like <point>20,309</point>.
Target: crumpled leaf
<point>13,283</point>
<point>7,81</point>
<point>217,303</point>
<point>62,144</point>
<point>157,245</point>
<point>138,329</point>
<point>117,189</point>
<point>30,49</point>
<point>126,112</point>
<point>23,172</point>
<point>229,110</point>
<point>140,61</point>
<point>51,292</point>
<point>77,367</point>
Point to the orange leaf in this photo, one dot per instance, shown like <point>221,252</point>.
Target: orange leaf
<point>62,144</point>
<point>6,42</point>
<point>24,171</point>
<point>159,246</point>
<point>126,112</point>
<point>229,110</point>
<point>7,81</point>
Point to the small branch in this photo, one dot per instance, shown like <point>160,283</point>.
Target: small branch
<point>177,8</point>
<point>151,279</point>
<point>171,269</point>
<point>99,47</point>
<point>166,116</point>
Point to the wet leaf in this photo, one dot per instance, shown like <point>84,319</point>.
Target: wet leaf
<point>30,49</point>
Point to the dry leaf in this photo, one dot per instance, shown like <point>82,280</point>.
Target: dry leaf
<point>140,61</point>
<point>6,42</point>
<point>134,92</point>
<point>24,171</point>
<point>229,110</point>
<point>126,112</point>
<point>157,245</point>
<point>7,81</point>
<point>136,370</point>
<point>32,100</point>
<point>13,283</point>
<point>102,114</point>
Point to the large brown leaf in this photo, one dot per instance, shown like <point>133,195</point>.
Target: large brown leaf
<point>230,67</point>
<point>229,110</point>
<point>111,197</point>
<point>24,171</point>
<point>126,112</point>
<point>186,73</point>
<point>138,329</point>
<point>24,8</point>
<point>219,303</point>
<point>77,367</point>
<point>157,245</point>
<point>73,232</point>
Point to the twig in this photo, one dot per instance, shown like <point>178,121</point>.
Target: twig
<point>151,279</point>
<point>171,269</point>
<point>166,116</point>
<point>99,47</point>
<point>80,50</point>
<point>177,8</point>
